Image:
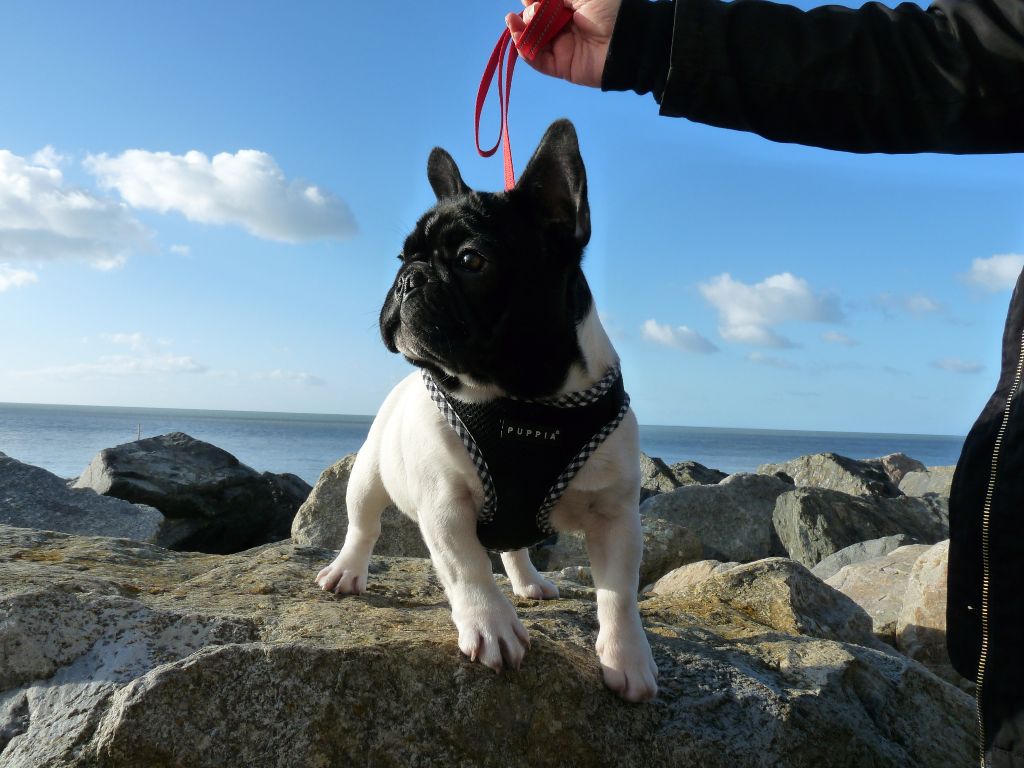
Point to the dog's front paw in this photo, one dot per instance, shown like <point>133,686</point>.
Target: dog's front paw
<point>491,633</point>
<point>627,663</point>
<point>345,576</point>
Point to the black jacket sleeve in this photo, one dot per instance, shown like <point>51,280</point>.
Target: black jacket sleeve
<point>873,79</point>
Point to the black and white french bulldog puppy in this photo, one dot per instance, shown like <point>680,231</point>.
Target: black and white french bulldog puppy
<point>491,304</point>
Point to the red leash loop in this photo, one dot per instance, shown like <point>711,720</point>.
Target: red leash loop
<point>551,16</point>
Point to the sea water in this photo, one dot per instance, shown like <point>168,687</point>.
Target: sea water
<point>64,439</point>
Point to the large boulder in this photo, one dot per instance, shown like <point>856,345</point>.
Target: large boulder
<point>921,625</point>
<point>779,593</point>
<point>813,523</point>
<point>31,497</point>
<point>878,586</point>
<point>322,520</point>
<point>212,502</point>
<point>837,473</point>
<point>142,656</point>
<point>856,553</point>
<point>732,519</point>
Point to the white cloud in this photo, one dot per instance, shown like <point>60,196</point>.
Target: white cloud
<point>247,189</point>
<point>834,337</point>
<point>958,366</point>
<point>760,358</point>
<point>48,157</point>
<point>299,378</point>
<point>680,337</point>
<point>748,313</point>
<point>996,273</point>
<point>15,278</point>
<point>42,217</point>
<point>180,250</point>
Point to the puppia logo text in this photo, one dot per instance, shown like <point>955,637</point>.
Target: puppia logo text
<point>528,433</point>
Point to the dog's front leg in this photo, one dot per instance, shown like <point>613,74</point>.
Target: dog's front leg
<point>615,546</point>
<point>489,630</point>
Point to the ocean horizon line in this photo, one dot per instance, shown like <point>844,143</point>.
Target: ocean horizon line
<point>367,418</point>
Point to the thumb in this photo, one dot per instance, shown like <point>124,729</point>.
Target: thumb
<point>515,25</point>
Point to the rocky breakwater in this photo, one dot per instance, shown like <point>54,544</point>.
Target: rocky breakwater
<point>118,653</point>
<point>211,502</point>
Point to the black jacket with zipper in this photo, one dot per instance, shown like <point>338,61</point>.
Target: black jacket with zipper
<point>949,78</point>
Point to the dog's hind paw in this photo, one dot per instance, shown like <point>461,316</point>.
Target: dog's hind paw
<point>343,578</point>
<point>536,589</point>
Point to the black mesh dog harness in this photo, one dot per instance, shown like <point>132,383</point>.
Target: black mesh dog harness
<point>526,452</point>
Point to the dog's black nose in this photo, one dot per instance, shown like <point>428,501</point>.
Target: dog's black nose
<point>410,281</point>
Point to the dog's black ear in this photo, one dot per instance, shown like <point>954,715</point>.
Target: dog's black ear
<point>444,176</point>
<point>556,179</point>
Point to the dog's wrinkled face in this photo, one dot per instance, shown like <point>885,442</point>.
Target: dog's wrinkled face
<point>490,290</point>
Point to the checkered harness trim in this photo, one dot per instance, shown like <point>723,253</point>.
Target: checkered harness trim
<point>568,400</point>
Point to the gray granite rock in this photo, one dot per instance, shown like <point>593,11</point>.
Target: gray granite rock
<point>878,585</point>
<point>896,466</point>
<point>31,497</point>
<point>732,519</point>
<point>212,502</point>
<point>322,519</point>
<point>862,550</point>
<point>695,473</point>
<point>932,481</point>
<point>144,657</point>
<point>813,523</point>
<point>837,473</point>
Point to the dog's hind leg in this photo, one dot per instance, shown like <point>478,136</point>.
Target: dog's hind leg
<point>526,581</point>
<point>365,500</point>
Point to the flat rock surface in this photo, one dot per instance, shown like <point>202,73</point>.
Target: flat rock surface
<point>116,653</point>
<point>862,550</point>
<point>31,497</point>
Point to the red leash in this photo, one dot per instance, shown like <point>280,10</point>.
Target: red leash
<point>542,29</point>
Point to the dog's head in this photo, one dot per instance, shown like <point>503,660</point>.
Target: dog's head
<point>490,290</point>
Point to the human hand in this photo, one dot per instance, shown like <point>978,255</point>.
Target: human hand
<point>579,52</point>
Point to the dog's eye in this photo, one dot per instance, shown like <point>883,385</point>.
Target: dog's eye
<point>470,261</point>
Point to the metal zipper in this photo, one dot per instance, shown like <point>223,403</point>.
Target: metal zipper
<point>986,512</point>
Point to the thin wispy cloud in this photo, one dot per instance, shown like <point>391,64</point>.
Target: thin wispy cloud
<point>11,277</point>
<point>956,365</point>
<point>680,337</point>
<point>916,304</point>
<point>996,273</point>
<point>43,218</point>
<point>246,189</point>
<point>749,313</point>
<point>306,379</point>
<point>180,250</point>
<point>759,358</point>
<point>834,337</point>
<point>120,366</point>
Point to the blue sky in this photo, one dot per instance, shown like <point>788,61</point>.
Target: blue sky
<point>200,206</point>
